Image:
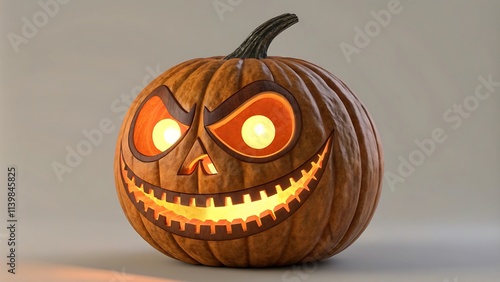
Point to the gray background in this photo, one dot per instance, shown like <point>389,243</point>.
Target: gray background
<point>441,224</point>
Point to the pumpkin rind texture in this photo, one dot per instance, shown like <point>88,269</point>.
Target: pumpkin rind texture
<point>307,200</point>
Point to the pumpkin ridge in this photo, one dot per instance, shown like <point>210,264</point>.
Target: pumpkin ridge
<point>364,148</point>
<point>148,225</point>
<point>172,238</point>
<point>223,65</point>
<point>196,64</point>
<point>143,218</point>
<point>352,110</point>
<point>284,68</point>
<point>360,113</point>
<point>173,74</point>
<point>283,64</point>
<point>299,75</point>
<point>200,127</point>
<point>141,229</point>
<point>188,76</point>
<point>278,69</point>
<point>304,67</point>
<point>379,189</point>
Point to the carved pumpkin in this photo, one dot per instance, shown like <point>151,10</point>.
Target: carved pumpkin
<point>248,160</point>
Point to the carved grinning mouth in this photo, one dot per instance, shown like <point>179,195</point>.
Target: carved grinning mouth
<point>230,215</point>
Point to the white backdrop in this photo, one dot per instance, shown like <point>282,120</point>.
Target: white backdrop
<point>429,73</point>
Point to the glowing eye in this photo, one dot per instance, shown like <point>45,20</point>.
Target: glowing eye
<point>165,133</point>
<point>258,132</point>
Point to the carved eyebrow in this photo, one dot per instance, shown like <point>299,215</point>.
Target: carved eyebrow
<point>245,94</point>
<point>175,110</point>
<point>173,106</point>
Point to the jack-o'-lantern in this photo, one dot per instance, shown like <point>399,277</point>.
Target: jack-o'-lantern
<point>248,160</point>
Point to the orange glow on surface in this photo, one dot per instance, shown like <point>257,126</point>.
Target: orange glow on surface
<point>48,272</point>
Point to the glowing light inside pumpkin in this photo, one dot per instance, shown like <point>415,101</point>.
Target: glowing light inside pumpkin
<point>229,214</point>
<point>258,132</point>
<point>165,133</point>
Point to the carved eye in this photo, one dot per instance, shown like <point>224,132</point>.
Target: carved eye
<point>166,133</point>
<point>261,128</point>
<point>258,131</point>
<point>158,126</point>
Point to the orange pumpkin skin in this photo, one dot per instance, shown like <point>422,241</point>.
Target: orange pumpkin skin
<point>328,221</point>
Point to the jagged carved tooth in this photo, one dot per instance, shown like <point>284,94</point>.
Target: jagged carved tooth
<point>145,189</point>
<point>293,183</point>
<point>139,203</point>
<point>263,194</point>
<point>130,188</point>
<point>259,222</point>
<point>244,225</point>
<point>147,204</point>
<point>156,214</point>
<point>131,185</point>
<point>210,202</point>
<point>177,200</point>
<point>228,201</point>
<point>148,198</point>
<point>197,228</point>
<point>314,177</point>
<point>320,161</point>
<point>126,169</point>
<point>298,198</point>
<point>163,212</point>
<point>212,228</point>
<point>229,229</point>
<point>246,198</point>
<point>132,197</point>
<point>168,220</point>
<point>182,225</point>
<point>273,215</point>
<point>278,188</point>
<point>305,174</point>
<point>315,165</point>
<point>137,196</point>
<point>164,197</point>
<point>256,218</point>
<point>192,202</point>
<point>287,208</point>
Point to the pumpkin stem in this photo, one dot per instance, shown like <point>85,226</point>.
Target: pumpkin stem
<point>256,44</point>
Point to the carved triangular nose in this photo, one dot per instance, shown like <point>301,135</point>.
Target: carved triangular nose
<point>197,155</point>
